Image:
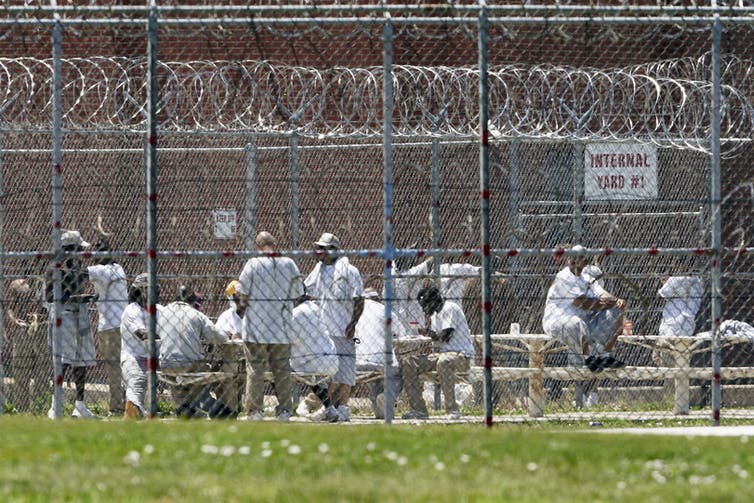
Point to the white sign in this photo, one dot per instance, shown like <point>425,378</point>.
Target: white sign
<point>224,223</point>
<point>620,171</point>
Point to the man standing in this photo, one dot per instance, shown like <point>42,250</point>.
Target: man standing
<point>74,332</point>
<point>337,286</point>
<point>453,352</point>
<point>267,288</point>
<point>583,316</point>
<point>111,286</point>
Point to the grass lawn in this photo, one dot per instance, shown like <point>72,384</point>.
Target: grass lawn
<point>178,461</point>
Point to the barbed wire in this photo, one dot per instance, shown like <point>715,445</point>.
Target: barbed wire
<point>665,102</point>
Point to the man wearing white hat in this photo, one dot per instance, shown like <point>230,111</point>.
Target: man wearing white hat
<point>583,315</point>
<point>74,332</point>
<point>336,284</point>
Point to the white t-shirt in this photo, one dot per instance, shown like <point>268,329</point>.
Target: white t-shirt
<point>312,350</point>
<point>370,330</point>
<point>453,281</point>
<point>335,286</point>
<point>683,296</point>
<point>407,286</point>
<point>134,318</point>
<point>272,284</point>
<point>451,316</point>
<point>563,291</point>
<point>182,330</point>
<point>229,322</point>
<point>454,278</point>
<point>110,284</point>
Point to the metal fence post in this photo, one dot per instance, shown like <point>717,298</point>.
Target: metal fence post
<point>484,159</point>
<point>387,113</point>
<point>151,182</point>
<point>716,238</point>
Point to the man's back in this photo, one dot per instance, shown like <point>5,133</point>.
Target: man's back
<point>182,330</point>
<point>272,284</point>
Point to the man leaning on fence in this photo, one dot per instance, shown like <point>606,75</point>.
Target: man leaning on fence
<point>74,330</point>
<point>452,354</point>
<point>267,288</point>
<point>583,316</point>
<point>109,281</point>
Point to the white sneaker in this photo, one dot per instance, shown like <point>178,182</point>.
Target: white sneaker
<point>317,415</point>
<point>344,414</point>
<point>80,410</point>
<point>284,416</point>
<point>454,414</point>
<point>257,416</point>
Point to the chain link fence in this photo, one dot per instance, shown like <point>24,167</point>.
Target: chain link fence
<point>625,129</point>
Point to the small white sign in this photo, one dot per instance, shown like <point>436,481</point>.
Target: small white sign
<point>620,171</point>
<point>224,223</point>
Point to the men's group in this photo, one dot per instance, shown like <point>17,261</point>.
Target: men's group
<point>279,322</point>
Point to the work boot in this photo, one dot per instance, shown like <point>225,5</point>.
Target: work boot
<point>131,411</point>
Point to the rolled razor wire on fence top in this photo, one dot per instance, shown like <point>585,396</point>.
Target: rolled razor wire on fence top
<point>665,102</point>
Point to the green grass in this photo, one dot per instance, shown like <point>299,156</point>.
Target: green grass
<point>178,461</point>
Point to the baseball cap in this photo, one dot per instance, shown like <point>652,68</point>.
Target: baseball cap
<point>328,240</point>
<point>230,290</point>
<point>578,250</point>
<point>72,238</point>
<point>141,280</point>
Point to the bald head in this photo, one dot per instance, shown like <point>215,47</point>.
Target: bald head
<point>265,241</point>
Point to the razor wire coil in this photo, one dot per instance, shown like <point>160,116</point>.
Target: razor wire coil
<point>664,102</point>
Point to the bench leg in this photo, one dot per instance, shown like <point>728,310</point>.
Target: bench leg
<point>681,406</point>
<point>536,383</point>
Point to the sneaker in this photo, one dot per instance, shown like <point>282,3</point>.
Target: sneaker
<point>51,413</point>
<point>344,414</point>
<point>80,410</point>
<point>454,414</point>
<point>594,363</point>
<point>609,362</point>
<point>317,415</point>
<point>331,415</point>
<point>415,414</point>
<point>284,416</point>
<point>257,416</point>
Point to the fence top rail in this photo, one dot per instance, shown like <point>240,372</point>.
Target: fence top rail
<point>413,20</point>
<point>365,14</point>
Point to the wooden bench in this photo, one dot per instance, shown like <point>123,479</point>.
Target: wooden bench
<point>537,346</point>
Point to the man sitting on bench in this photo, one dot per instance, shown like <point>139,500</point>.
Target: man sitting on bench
<point>583,316</point>
<point>452,353</point>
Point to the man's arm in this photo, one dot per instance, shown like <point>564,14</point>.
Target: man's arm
<point>358,308</point>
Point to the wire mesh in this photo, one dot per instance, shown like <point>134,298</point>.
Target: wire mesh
<point>278,126</point>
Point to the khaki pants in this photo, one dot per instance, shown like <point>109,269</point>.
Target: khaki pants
<point>258,357</point>
<point>109,347</point>
<point>447,366</point>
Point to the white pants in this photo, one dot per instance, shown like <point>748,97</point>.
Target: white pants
<point>134,372</point>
